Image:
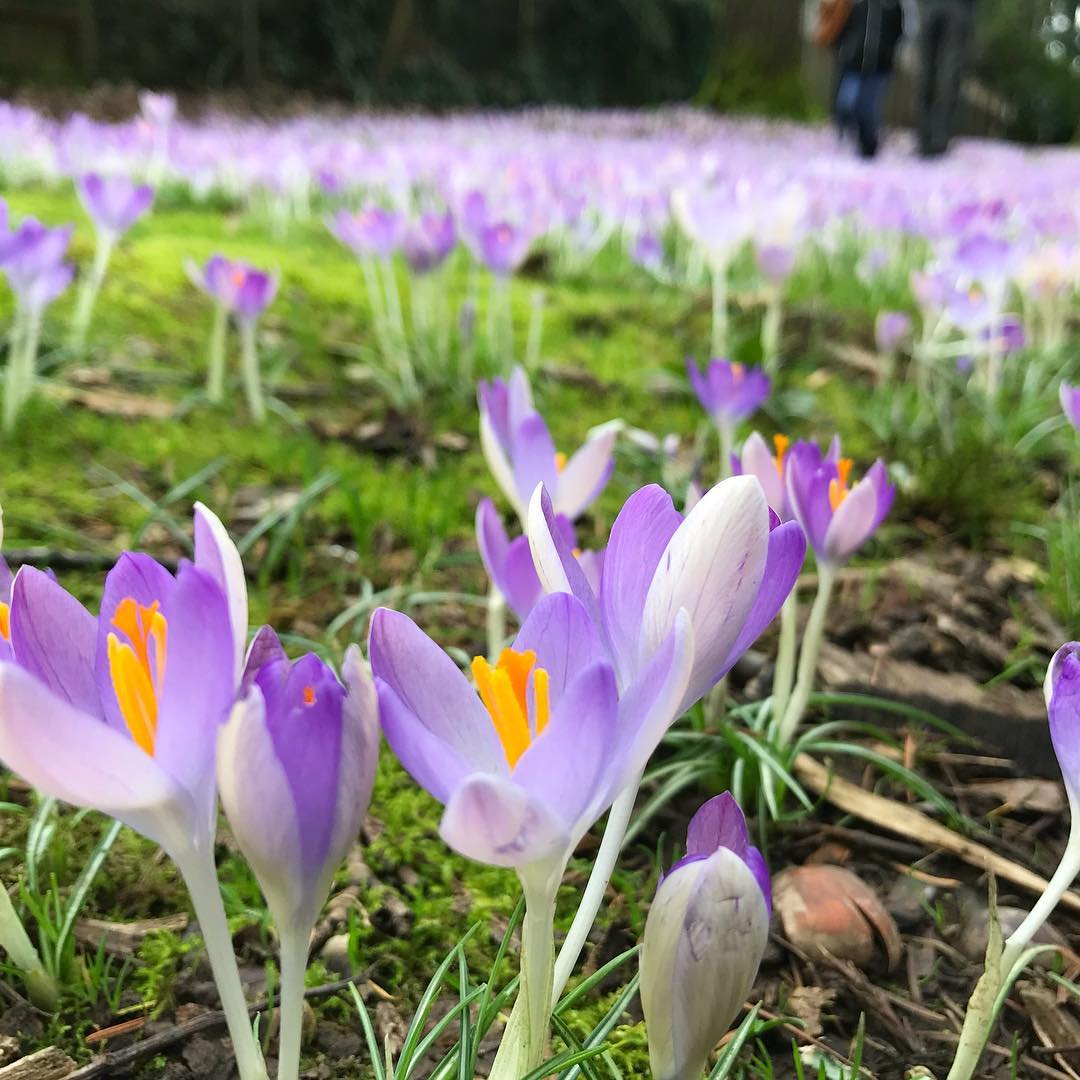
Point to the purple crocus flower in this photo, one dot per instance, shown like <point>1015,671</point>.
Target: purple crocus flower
<point>239,287</point>
<point>428,241</point>
<point>296,766</point>
<point>729,563</point>
<point>527,766</point>
<point>704,938</point>
<point>768,467</point>
<point>837,520</point>
<point>114,203</point>
<point>6,582</point>
<point>728,392</point>
<point>32,260</point>
<point>775,261</point>
<point>1070,403</point>
<point>1062,691</point>
<point>372,232</point>
<point>159,109</point>
<point>521,454</point>
<point>890,329</point>
<point>120,712</point>
<point>503,246</point>
<point>509,563</point>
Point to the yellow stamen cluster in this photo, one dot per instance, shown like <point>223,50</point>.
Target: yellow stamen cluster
<point>781,442</point>
<point>838,488</point>
<point>136,674</point>
<point>504,690</point>
<point>560,461</point>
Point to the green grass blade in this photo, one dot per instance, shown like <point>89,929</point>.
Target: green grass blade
<point>369,1034</point>
<point>726,1062</point>
<point>597,976</point>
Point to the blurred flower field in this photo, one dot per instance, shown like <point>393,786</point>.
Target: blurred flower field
<point>364,343</point>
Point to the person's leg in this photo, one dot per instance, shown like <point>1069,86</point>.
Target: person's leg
<point>955,49</point>
<point>847,98</point>
<point>929,45</point>
<point>871,97</point>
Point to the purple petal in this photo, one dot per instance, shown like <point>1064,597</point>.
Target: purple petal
<point>265,648</point>
<point>585,475</point>
<point>569,766</point>
<point>564,639</point>
<point>1063,710</point>
<point>532,455</point>
<point>430,687</point>
<point>217,555</point>
<point>641,532</point>
<point>54,638</point>
<point>493,820</point>
<point>718,823</point>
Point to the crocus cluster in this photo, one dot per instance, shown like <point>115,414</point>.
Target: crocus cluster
<point>145,711</point>
<point>244,292</point>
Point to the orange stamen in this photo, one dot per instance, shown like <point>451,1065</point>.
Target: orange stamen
<point>137,673</point>
<point>238,277</point>
<point>838,488</point>
<point>737,370</point>
<point>309,695</point>
<point>5,622</point>
<point>560,461</point>
<point>781,442</point>
<point>504,690</point>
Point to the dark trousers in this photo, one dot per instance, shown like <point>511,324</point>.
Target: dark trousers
<point>858,108</point>
<point>945,46</point>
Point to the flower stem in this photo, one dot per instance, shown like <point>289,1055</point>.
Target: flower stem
<point>249,360</point>
<point>293,956</point>
<point>215,360</point>
<point>200,875</point>
<point>535,332</point>
<point>496,622</point>
<point>525,1037</point>
<point>727,440</point>
<point>719,311</point>
<point>88,293</point>
<point>808,655</point>
<point>784,674</point>
<point>596,887</point>
<point>771,325</point>
<point>20,374</point>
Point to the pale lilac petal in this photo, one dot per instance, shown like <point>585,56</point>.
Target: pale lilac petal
<point>70,755</point>
<point>519,402</point>
<point>758,460</point>
<point>852,522</point>
<point>217,555</point>
<point>553,557</point>
<point>585,475</point>
<point>265,648</point>
<point>533,457</point>
<point>1062,689</point>
<point>54,638</point>
<point>570,765</point>
<point>520,585</point>
<point>564,639</point>
<point>713,567</point>
<point>499,463</point>
<point>653,702</point>
<point>493,820</point>
<point>265,827</point>
<point>430,686</point>
<point>783,562</point>
<point>199,687</point>
<point>641,532</point>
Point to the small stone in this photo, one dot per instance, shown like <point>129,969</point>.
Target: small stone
<point>335,954</point>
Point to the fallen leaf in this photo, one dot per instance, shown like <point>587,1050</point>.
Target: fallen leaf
<point>806,1003</point>
<point>124,938</point>
<point>829,908</point>
<point>1039,796</point>
<point>116,403</point>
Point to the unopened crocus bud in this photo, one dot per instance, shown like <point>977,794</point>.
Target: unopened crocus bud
<point>890,329</point>
<point>704,939</point>
<point>728,392</point>
<point>296,764</point>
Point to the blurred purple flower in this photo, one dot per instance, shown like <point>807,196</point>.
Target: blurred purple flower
<point>237,286</point>
<point>890,329</point>
<point>32,260</point>
<point>428,241</point>
<point>728,392</point>
<point>1070,403</point>
<point>372,232</point>
<point>114,203</point>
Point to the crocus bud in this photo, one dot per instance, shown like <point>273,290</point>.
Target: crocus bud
<point>1070,403</point>
<point>296,765</point>
<point>704,939</point>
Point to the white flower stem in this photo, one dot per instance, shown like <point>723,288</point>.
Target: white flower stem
<point>525,1037</point>
<point>719,311</point>
<point>727,441</point>
<point>21,361</point>
<point>784,673</point>
<point>808,655</point>
<point>215,360</point>
<point>88,293</point>
<point>979,1019</point>
<point>293,956</point>
<point>536,331</point>
<point>249,360</point>
<point>496,622</point>
<point>771,325</point>
<point>596,888</point>
<point>16,336</point>
<point>20,949</point>
<point>200,875</point>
